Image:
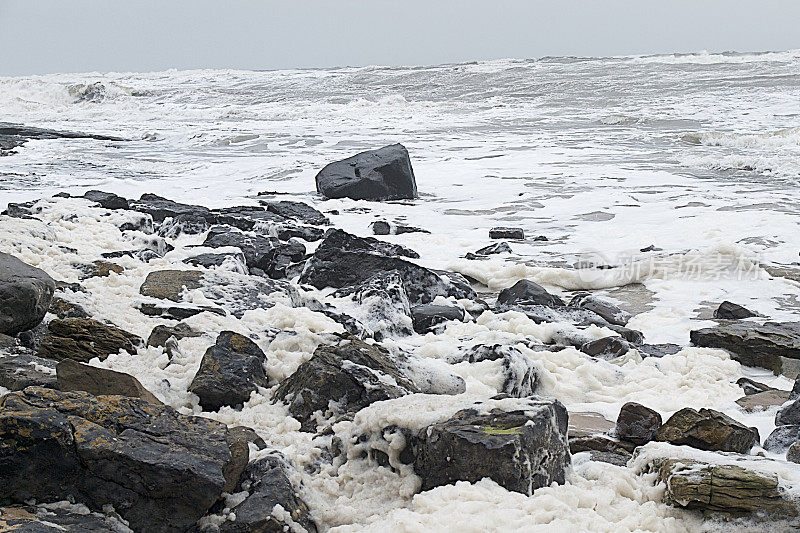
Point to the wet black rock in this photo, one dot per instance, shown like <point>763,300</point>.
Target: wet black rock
<point>707,430</point>
<point>82,339</point>
<point>107,200</point>
<point>268,482</point>
<point>160,208</point>
<point>383,174</point>
<point>25,370</point>
<point>789,414</point>
<point>506,233</point>
<point>178,312</point>
<point>229,372</point>
<point>492,249</point>
<point>297,211</point>
<point>526,292</point>
<point>291,231</point>
<point>341,379</point>
<point>607,347</point>
<point>426,317</point>
<point>731,311</point>
<point>795,393</point>
<point>381,227</point>
<point>781,438</point>
<point>521,450</point>
<point>651,248</point>
<point>608,311</point>
<point>753,344</point>
<point>344,260</point>
<point>25,294</point>
<point>14,135</point>
<point>637,424</point>
<point>265,253</point>
<point>160,335</point>
<point>65,309</point>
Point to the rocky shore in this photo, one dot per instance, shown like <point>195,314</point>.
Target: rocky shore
<point>169,367</point>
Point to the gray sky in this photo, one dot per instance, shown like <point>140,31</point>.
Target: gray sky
<point>42,36</point>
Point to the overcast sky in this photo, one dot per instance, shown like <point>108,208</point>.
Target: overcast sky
<point>42,36</point>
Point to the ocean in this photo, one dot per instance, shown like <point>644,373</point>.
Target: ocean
<point>665,183</point>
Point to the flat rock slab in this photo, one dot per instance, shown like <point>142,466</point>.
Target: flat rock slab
<point>82,339</point>
<point>74,376</point>
<point>766,346</point>
<point>761,401</point>
<point>160,470</point>
<point>586,424</point>
<point>55,519</point>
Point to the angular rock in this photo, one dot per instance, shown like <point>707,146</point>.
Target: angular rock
<point>107,200</point>
<point>637,424</point>
<point>178,312</point>
<point>170,284</point>
<point>268,482</point>
<point>607,347</point>
<point>608,311</point>
<point>603,449</point>
<point>762,401</point>
<point>497,248</point>
<point>74,376</point>
<point>506,233</point>
<point>160,470</point>
<point>336,239</point>
<point>297,211</point>
<point>766,346</point>
<point>347,261</point>
<point>383,174</point>
<point>23,370</point>
<point>268,254</point>
<point>229,372</point>
<point>723,488</point>
<point>14,135</point>
<point>25,294</point>
<point>750,386</point>
<point>82,339</point>
<point>160,208</point>
<point>235,261</point>
<point>789,414</point>
<point>33,338</point>
<point>426,316</point>
<point>160,335</point>
<point>521,450</point>
<point>526,292</point>
<point>707,430</point>
<point>99,269</point>
<point>341,379</point>
<point>381,227</point>
<point>731,311</point>
<point>781,438</point>
<point>247,217</point>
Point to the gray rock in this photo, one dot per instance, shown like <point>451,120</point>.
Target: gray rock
<point>781,438</point>
<point>384,305</point>
<point>341,379</point>
<point>268,254</point>
<point>707,430</point>
<point>268,482</point>
<point>607,347</point>
<point>229,372</point>
<point>506,233</point>
<point>82,339</point>
<point>107,200</point>
<point>65,309</point>
<point>236,261</point>
<point>793,453</point>
<point>160,470</point>
<point>32,519</point>
<point>161,208</point>
<point>297,211</point>
<point>14,135</point>
<point>160,335</point>
<point>637,423</point>
<point>184,224</point>
<point>383,174</point>
<point>731,311</point>
<point>74,376</point>
<point>24,370</point>
<point>427,316</point>
<point>492,249</point>
<point>789,414</point>
<point>753,344</point>
<point>25,294</point>
<point>658,350</point>
<point>526,292</point>
<point>247,218</point>
<point>608,311</point>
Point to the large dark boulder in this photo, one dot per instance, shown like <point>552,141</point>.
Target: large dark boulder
<point>340,379</point>
<point>229,372</point>
<point>526,292</point>
<point>383,174</point>
<point>607,347</point>
<point>343,260</point>
<point>74,376</point>
<point>82,339</point>
<point>753,344</point>
<point>25,294</point>
<point>268,482</point>
<point>637,424</point>
<point>161,471</point>
<point>731,311</point>
<point>707,429</point>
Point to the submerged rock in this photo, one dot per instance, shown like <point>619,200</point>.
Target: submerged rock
<point>25,294</point>
<point>725,488</point>
<point>161,471</point>
<point>774,346</point>
<point>384,306</point>
<point>74,376</point>
<point>707,429</point>
<point>637,423</point>
<point>497,248</point>
<point>383,174</point>
<point>269,485</point>
<point>82,339</point>
<point>341,379</point>
<point>230,370</point>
